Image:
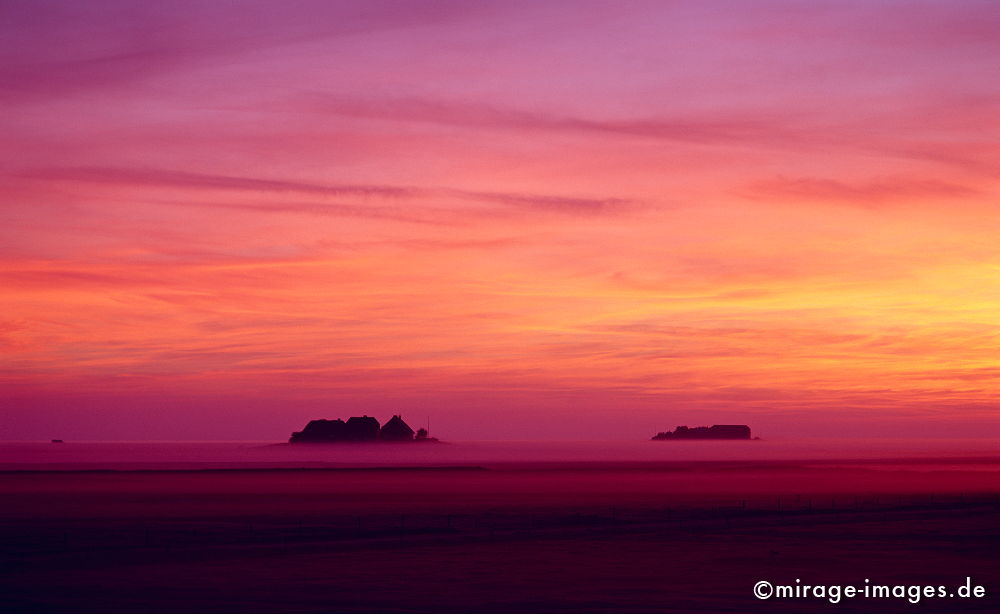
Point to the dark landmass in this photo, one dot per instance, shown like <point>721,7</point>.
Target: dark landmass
<point>716,431</point>
<point>359,429</point>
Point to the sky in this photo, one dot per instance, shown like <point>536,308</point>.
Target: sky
<point>517,220</point>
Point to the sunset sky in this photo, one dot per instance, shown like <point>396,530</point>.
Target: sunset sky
<point>519,219</point>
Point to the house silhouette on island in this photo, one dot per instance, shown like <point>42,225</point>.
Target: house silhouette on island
<point>358,428</point>
<point>716,431</point>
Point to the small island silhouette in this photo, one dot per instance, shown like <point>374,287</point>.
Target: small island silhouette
<point>716,431</point>
<point>359,428</point>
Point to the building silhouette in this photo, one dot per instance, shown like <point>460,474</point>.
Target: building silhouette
<point>357,428</point>
<point>716,431</point>
<point>363,428</point>
<point>396,430</point>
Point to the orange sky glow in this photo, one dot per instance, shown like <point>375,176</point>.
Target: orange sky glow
<point>522,220</point>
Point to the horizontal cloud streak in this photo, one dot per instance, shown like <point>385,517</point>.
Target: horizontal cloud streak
<point>114,44</point>
<point>183,179</point>
<point>685,129</point>
<point>199,181</point>
<point>866,194</point>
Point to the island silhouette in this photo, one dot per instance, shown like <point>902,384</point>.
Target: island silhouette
<point>359,429</point>
<point>716,431</point>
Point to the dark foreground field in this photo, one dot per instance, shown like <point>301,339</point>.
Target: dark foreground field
<point>667,538</point>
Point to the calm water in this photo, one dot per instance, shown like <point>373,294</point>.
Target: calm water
<point>936,454</point>
<point>643,527</point>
